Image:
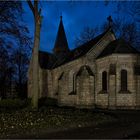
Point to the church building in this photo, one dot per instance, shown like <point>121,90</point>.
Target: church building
<point>104,72</point>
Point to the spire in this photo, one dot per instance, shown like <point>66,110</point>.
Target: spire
<point>61,44</point>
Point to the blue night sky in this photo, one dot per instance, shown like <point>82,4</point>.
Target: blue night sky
<point>76,15</point>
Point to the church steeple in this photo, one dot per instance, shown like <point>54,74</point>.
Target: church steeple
<point>61,44</point>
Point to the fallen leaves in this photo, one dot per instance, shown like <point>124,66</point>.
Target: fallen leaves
<point>24,121</point>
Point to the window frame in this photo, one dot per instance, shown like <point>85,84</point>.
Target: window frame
<point>123,80</point>
<point>104,81</point>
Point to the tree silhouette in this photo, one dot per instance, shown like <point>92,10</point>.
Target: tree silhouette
<point>13,33</point>
<point>86,35</point>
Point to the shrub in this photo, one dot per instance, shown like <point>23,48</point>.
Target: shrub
<point>45,101</point>
<point>13,104</point>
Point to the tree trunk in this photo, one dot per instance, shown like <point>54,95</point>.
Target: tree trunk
<point>35,70</point>
<point>35,60</point>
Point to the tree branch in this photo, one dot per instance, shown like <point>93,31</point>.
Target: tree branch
<point>36,4</point>
<point>36,7</point>
<point>31,6</point>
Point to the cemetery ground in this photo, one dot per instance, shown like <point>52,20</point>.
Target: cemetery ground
<point>17,120</point>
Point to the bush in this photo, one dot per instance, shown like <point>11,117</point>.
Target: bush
<point>45,101</point>
<point>13,104</point>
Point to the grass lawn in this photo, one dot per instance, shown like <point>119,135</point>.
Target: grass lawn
<point>15,124</point>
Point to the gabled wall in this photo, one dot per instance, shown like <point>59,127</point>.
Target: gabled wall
<point>98,48</point>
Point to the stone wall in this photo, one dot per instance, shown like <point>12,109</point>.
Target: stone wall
<point>64,98</point>
<point>138,91</point>
<point>85,88</point>
<point>101,100</point>
<point>112,91</point>
<point>88,89</point>
<point>62,82</point>
<point>124,100</point>
<point>115,98</point>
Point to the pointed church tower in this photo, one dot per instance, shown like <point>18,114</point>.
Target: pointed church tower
<point>61,44</point>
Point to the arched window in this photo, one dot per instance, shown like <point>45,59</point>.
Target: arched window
<point>72,83</point>
<point>58,84</point>
<point>104,81</point>
<point>123,80</point>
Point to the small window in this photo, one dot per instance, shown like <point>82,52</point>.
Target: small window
<point>58,86</point>
<point>104,81</point>
<point>73,91</point>
<point>123,80</point>
<point>74,84</point>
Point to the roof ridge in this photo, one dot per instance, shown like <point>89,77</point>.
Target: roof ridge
<point>118,46</point>
<point>72,55</point>
<point>103,35</point>
<point>128,44</point>
<point>84,44</point>
<point>46,52</point>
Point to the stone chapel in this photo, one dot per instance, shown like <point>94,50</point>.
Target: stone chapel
<point>103,73</point>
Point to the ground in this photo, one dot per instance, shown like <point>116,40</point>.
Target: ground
<point>127,126</point>
<point>54,122</point>
<point>25,123</point>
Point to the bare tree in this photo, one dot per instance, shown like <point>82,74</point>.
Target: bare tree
<point>20,61</point>
<point>5,72</point>
<point>12,32</point>
<point>11,23</point>
<point>34,6</point>
<point>125,30</point>
<point>131,8</point>
<point>86,35</point>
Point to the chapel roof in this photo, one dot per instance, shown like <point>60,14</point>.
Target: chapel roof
<point>119,46</point>
<point>50,60</point>
<point>46,60</point>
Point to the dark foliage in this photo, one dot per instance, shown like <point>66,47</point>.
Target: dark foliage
<point>13,104</point>
<point>14,39</point>
<point>20,61</point>
<point>45,101</point>
<point>86,35</point>
<point>126,30</point>
<point>11,21</point>
<point>5,72</point>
